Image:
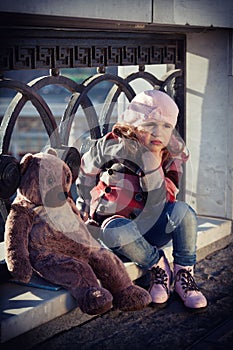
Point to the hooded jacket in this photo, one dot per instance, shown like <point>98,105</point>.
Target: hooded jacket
<point>112,180</point>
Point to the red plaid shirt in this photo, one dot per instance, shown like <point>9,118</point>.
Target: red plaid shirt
<point>107,185</point>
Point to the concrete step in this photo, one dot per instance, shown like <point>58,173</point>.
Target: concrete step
<point>24,307</point>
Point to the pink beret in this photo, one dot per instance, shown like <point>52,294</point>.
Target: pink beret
<point>151,105</point>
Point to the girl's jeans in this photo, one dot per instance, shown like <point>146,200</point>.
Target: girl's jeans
<point>177,223</point>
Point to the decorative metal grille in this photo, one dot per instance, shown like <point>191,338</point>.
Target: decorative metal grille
<point>59,135</point>
<point>29,48</point>
<point>52,49</point>
<point>26,57</point>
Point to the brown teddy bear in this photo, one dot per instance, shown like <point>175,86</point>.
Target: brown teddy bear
<point>44,233</point>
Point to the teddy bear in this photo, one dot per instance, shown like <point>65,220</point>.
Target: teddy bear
<point>45,234</point>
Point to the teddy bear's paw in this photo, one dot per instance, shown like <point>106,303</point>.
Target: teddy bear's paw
<point>131,299</point>
<point>95,301</point>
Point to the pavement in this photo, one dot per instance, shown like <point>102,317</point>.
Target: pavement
<point>41,316</point>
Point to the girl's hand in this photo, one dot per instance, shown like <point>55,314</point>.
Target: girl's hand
<point>85,216</point>
<point>151,161</point>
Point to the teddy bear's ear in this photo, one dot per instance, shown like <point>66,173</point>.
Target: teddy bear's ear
<point>52,151</point>
<point>24,162</point>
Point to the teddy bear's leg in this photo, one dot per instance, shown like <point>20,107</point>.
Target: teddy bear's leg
<point>114,277</point>
<point>78,277</point>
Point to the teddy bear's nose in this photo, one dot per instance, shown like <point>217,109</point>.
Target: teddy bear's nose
<point>55,197</point>
<point>61,195</point>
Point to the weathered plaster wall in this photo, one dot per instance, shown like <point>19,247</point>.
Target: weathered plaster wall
<point>209,123</point>
<point>130,10</point>
<point>218,13</point>
<point>229,185</point>
<point>194,12</point>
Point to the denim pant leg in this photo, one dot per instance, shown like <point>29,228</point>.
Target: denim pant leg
<point>178,223</point>
<point>184,237</point>
<point>122,236</point>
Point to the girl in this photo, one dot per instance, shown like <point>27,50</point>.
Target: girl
<point>128,184</point>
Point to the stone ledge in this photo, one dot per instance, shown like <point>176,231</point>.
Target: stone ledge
<point>25,307</point>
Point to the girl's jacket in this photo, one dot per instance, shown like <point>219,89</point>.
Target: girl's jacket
<point>117,177</point>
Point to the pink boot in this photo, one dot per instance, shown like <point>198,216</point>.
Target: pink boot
<point>161,276</point>
<point>187,289</point>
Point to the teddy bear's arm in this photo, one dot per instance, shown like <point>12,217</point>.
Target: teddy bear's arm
<point>18,226</point>
<point>73,207</point>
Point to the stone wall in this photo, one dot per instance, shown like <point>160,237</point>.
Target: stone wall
<point>209,118</point>
<point>194,12</point>
<point>167,12</point>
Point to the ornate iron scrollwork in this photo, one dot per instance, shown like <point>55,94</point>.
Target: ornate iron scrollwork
<point>70,56</point>
<point>33,51</point>
<point>59,135</point>
<point>9,176</point>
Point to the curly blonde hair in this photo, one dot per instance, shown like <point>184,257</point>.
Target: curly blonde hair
<point>126,130</point>
<point>131,132</point>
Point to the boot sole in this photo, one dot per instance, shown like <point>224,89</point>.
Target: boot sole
<point>190,309</point>
<point>158,306</point>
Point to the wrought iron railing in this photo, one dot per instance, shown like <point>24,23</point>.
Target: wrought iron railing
<point>98,124</point>
<point>59,134</point>
<point>30,42</point>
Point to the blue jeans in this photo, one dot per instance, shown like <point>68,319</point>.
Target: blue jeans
<point>177,222</point>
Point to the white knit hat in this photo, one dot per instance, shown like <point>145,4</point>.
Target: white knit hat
<point>151,105</point>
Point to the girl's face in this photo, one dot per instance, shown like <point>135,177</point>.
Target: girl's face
<point>155,135</point>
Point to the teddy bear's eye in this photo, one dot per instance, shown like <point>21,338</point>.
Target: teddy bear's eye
<point>50,180</point>
<point>68,178</point>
